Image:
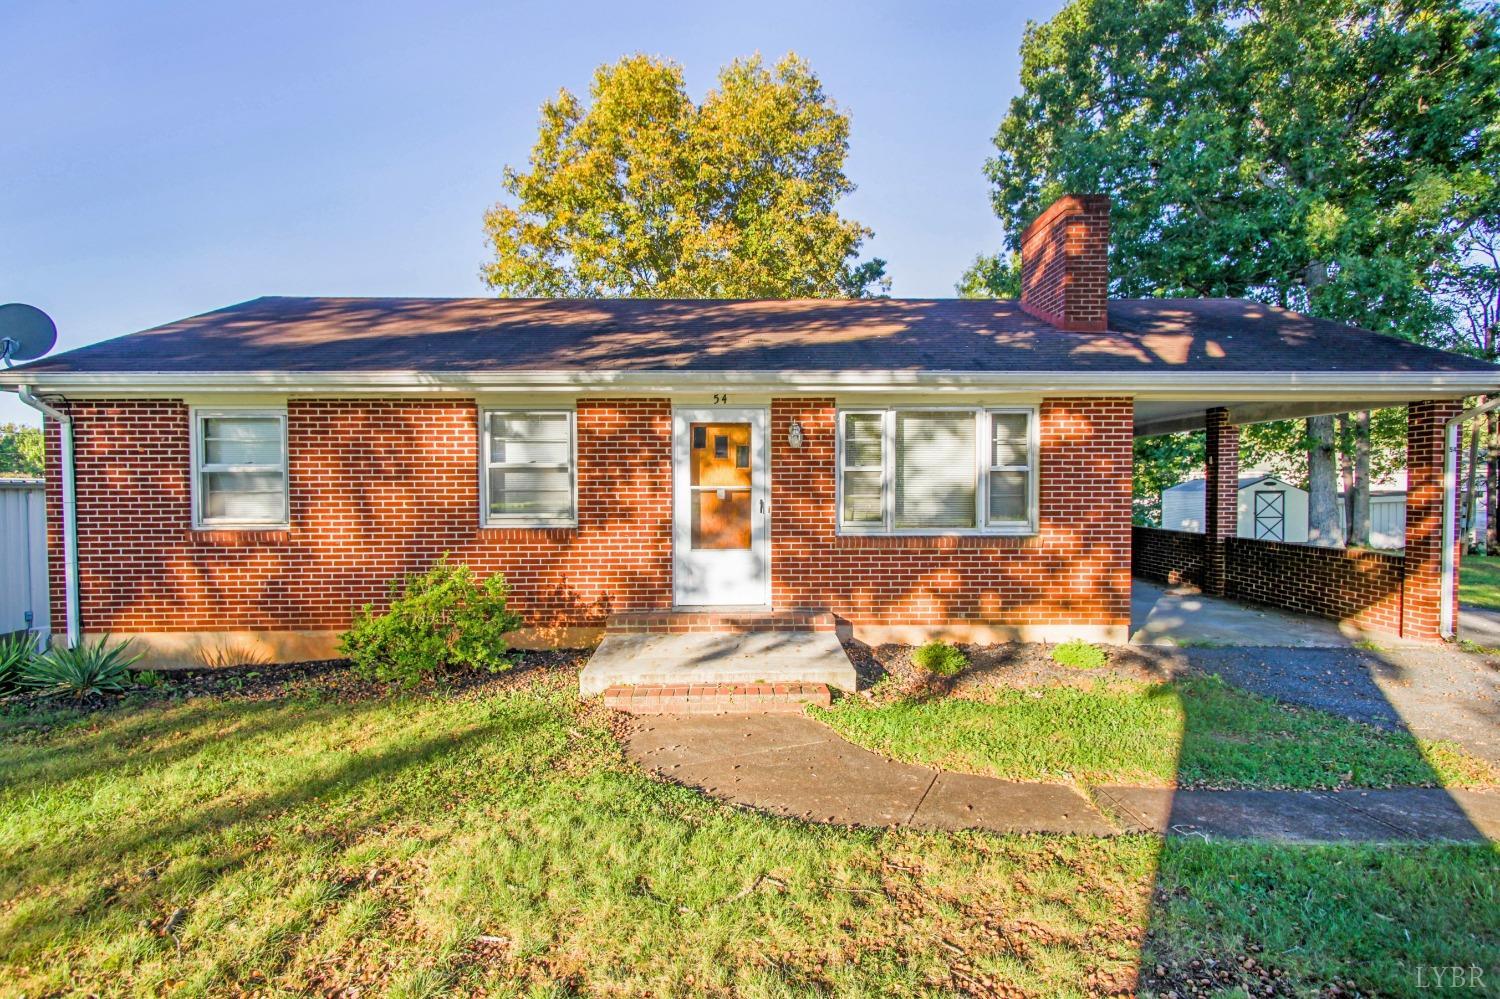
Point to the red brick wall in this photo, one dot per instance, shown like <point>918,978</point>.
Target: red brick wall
<point>1221,495</point>
<point>1346,584</point>
<point>1424,515</point>
<point>378,488</point>
<point>1075,571</point>
<point>1167,556</point>
<point>383,487</point>
<point>1065,264</point>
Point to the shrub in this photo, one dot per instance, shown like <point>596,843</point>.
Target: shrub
<point>81,672</point>
<point>15,652</point>
<point>440,619</point>
<point>1078,654</point>
<point>940,659</point>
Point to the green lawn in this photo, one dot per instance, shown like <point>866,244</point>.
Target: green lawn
<point>444,844</point>
<point>1479,580</point>
<point>1196,731</point>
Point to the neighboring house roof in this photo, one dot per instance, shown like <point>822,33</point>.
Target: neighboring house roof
<point>1205,336</point>
<point>1246,481</point>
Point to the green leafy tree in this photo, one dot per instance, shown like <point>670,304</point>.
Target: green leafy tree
<point>991,275</point>
<point>1323,155</point>
<point>21,450</point>
<point>1469,290</point>
<point>640,192</point>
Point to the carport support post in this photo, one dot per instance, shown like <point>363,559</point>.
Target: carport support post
<point>1427,492</point>
<point>1221,496</point>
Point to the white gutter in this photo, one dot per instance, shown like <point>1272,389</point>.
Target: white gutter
<point>1447,611</point>
<point>69,510</point>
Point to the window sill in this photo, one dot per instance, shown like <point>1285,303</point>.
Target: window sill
<point>937,541</point>
<point>543,528</point>
<point>239,537</point>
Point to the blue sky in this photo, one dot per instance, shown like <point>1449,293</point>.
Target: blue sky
<point>162,159</point>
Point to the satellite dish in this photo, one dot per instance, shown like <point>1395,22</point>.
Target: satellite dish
<point>26,332</point>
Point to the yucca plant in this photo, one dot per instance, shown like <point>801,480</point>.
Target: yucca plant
<point>15,652</point>
<point>81,672</point>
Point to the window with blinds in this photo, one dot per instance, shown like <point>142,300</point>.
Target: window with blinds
<point>937,471</point>
<point>239,473</point>
<point>528,468</point>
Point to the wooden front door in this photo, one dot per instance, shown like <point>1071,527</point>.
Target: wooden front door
<point>720,530</point>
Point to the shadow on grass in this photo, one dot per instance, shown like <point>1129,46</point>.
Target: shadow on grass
<point>1337,895</point>
<point>374,777</point>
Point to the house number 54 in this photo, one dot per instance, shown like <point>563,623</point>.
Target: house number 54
<point>720,398</point>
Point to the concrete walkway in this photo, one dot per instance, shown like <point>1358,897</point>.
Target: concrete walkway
<point>795,766</point>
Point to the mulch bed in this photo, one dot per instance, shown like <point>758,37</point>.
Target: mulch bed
<point>326,678</point>
<point>886,671</point>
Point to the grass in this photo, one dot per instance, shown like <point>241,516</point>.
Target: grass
<point>443,844</point>
<point>1367,915</point>
<point>1479,580</point>
<point>1197,731</point>
<point>313,844</point>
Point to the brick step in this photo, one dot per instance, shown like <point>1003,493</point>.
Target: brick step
<point>716,698</point>
<point>733,622</point>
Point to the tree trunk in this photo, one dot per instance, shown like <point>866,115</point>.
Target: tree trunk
<point>1359,519</point>
<point>1344,438</point>
<point>1322,485</point>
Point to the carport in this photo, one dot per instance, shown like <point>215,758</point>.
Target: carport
<point>1411,595</point>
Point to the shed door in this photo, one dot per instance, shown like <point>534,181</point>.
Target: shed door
<point>1270,516</point>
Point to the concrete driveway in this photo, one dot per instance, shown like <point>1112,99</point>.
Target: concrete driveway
<point>1181,615</point>
<point>1480,625</point>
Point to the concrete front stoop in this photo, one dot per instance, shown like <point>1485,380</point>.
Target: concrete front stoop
<point>688,651</point>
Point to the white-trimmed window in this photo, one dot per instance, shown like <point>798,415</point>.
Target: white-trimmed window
<point>239,468</point>
<point>937,470</point>
<point>528,468</point>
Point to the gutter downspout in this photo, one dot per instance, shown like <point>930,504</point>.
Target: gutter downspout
<point>69,510</point>
<point>1447,609</point>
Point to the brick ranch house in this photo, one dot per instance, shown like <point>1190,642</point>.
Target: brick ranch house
<point>233,485</point>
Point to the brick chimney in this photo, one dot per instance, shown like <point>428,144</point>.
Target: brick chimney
<point>1065,264</point>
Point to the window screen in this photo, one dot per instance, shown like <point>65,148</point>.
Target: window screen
<point>1009,472</point>
<point>241,473</point>
<point>529,467</point>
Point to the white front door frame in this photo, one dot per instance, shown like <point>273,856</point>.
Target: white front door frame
<point>721,578</point>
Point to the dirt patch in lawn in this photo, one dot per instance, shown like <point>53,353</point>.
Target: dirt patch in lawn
<point>887,671</point>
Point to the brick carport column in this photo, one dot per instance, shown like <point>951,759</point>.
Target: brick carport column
<point>1221,496</point>
<point>1422,567</point>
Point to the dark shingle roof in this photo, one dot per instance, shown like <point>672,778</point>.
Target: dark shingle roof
<point>466,335</point>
